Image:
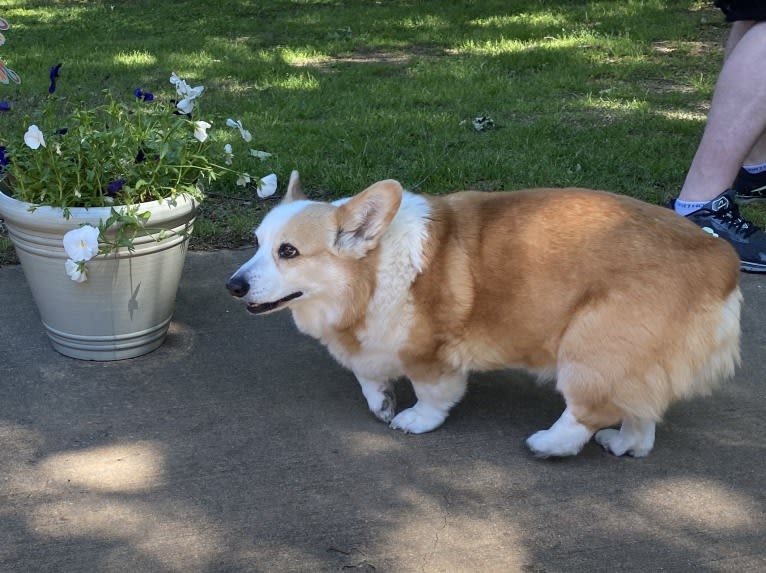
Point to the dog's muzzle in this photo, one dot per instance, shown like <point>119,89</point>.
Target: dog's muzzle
<point>238,286</point>
<point>260,308</point>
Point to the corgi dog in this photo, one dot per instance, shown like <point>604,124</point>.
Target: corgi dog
<point>627,306</point>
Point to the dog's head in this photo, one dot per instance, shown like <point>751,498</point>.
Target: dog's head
<point>310,250</point>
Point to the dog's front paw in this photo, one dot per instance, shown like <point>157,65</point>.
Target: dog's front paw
<point>418,419</point>
<point>384,406</point>
<point>380,399</point>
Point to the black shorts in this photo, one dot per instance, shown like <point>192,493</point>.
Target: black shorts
<point>743,9</point>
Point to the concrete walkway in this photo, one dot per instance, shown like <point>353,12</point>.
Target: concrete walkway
<point>240,445</point>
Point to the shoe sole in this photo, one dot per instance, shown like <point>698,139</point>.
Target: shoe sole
<point>743,266</point>
<point>752,267</point>
<point>746,200</point>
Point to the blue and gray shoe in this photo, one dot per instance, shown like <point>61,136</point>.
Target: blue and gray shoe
<point>720,217</point>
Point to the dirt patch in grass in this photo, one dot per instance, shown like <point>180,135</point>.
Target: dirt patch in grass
<point>227,222</point>
<point>373,56</point>
<point>699,48</point>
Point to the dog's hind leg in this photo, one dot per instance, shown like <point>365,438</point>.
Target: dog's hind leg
<point>565,437</point>
<point>635,438</point>
<point>589,407</point>
<point>434,402</point>
<point>380,397</point>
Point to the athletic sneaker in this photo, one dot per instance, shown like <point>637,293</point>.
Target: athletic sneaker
<point>750,186</point>
<point>721,218</point>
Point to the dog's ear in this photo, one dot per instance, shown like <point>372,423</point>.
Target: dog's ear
<point>294,191</point>
<point>364,218</point>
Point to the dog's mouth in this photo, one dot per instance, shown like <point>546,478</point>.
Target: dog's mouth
<point>260,308</point>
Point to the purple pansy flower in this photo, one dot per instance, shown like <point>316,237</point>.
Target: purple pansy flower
<point>5,105</point>
<point>115,186</point>
<point>141,156</point>
<point>141,94</point>
<point>4,159</point>
<point>53,75</point>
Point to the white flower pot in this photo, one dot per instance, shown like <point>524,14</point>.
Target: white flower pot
<point>124,308</point>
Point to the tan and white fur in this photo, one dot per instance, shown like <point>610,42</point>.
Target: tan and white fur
<point>628,306</point>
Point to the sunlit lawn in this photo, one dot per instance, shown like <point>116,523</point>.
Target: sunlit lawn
<point>603,94</point>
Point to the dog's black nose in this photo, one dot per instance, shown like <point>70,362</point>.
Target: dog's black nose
<point>238,286</point>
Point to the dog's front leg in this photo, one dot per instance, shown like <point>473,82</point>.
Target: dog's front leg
<point>434,402</point>
<point>380,397</point>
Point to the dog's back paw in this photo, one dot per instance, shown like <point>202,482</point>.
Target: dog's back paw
<point>418,419</point>
<point>635,438</point>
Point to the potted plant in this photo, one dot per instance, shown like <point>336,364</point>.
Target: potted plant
<point>99,202</point>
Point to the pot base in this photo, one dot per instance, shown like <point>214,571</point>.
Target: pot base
<point>104,348</point>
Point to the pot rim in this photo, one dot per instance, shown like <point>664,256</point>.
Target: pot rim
<point>162,211</point>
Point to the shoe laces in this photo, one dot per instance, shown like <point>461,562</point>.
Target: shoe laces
<point>727,212</point>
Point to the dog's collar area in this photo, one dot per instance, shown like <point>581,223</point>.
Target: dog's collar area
<point>268,306</point>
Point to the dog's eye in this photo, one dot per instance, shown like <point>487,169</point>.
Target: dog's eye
<point>287,251</point>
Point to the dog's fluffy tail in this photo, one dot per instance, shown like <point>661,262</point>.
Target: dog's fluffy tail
<point>634,376</point>
<point>714,342</point>
<point>705,354</point>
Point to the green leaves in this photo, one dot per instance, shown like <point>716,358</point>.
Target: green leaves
<point>112,153</point>
<point>125,223</point>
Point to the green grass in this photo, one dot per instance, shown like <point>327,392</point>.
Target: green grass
<point>603,94</point>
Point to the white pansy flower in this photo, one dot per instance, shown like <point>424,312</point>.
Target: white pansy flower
<point>229,153</point>
<point>186,105</point>
<point>260,154</point>
<point>34,137</point>
<point>76,271</point>
<point>243,180</point>
<point>246,135</point>
<point>81,244</point>
<point>267,186</point>
<point>194,93</point>
<point>188,94</point>
<point>200,130</point>
<point>182,88</point>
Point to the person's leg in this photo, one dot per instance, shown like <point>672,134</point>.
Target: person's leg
<point>757,154</point>
<point>737,117</point>
<point>734,134</point>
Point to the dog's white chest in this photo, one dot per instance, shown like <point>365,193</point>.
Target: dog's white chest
<point>378,344</point>
<point>389,314</point>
